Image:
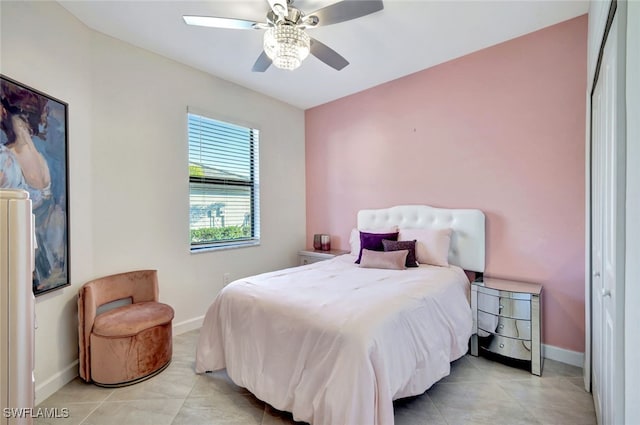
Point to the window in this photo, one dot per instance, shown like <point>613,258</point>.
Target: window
<point>223,184</point>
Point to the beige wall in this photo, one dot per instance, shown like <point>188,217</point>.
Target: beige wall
<point>128,170</point>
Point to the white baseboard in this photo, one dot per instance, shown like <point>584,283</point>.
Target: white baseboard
<point>57,381</point>
<point>574,358</point>
<point>188,325</point>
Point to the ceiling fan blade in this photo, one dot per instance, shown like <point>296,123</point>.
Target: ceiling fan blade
<point>327,55</point>
<point>262,63</point>
<point>346,10</point>
<point>212,21</point>
<point>279,7</point>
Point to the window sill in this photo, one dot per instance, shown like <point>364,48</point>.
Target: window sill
<point>223,247</point>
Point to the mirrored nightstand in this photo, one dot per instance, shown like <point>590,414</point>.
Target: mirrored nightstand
<point>507,323</point>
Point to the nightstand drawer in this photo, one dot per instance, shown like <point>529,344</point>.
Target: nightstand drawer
<point>311,256</point>
<point>505,307</point>
<point>505,294</point>
<point>504,326</point>
<point>509,347</point>
<point>308,259</point>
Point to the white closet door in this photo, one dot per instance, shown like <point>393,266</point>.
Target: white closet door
<point>632,209</point>
<point>597,131</point>
<point>608,173</point>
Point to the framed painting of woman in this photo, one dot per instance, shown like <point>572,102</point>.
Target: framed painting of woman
<point>33,157</point>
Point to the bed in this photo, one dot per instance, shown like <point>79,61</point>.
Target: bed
<point>335,343</point>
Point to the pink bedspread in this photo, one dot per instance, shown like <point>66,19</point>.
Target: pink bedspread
<point>334,343</point>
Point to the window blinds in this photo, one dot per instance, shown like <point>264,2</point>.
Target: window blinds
<point>223,183</point>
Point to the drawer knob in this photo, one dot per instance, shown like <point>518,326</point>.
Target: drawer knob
<point>501,326</point>
<point>501,307</point>
<point>501,345</point>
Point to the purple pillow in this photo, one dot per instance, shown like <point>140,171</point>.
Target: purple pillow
<point>402,245</point>
<point>373,241</point>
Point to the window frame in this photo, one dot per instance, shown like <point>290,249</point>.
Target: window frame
<point>252,184</point>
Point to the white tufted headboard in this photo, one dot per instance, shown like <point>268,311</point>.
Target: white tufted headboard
<point>467,237</point>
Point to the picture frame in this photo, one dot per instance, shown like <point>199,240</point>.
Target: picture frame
<point>34,157</point>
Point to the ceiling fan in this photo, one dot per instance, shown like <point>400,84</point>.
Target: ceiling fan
<point>286,44</point>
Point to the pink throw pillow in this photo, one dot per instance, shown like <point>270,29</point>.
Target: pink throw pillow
<point>394,260</point>
<point>432,246</point>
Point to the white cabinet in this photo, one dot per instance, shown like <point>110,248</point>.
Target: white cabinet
<point>17,309</point>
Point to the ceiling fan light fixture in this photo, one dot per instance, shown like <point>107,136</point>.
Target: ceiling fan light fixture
<point>286,45</point>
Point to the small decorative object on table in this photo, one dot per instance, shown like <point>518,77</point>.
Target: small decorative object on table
<point>317,241</point>
<point>507,322</point>
<point>325,243</point>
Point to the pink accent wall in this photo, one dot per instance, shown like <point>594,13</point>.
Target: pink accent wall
<point>501,130</point>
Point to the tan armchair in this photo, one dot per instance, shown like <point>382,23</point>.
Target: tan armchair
<point>126,344</point>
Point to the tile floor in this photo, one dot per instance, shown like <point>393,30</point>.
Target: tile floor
<point>478,391</point>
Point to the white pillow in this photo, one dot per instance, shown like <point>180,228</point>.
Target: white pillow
<point>432,246</point>
<point>354,237</point>
<point>354,241</point>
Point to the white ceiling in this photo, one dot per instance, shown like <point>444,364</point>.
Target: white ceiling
<point>406,37</point>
